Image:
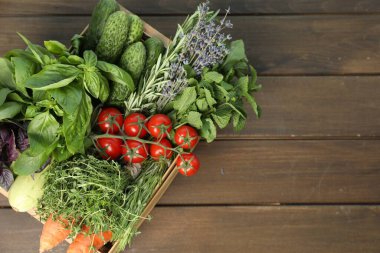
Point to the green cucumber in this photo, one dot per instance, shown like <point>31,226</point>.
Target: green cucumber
<point>154,47</point>
<point>136,29</point>
<point>133,60</point>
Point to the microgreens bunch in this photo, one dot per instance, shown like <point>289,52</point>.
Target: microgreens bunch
<point>205,46</point>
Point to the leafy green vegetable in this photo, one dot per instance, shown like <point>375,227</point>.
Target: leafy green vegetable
<point>6,74</point>
<point>23,68</point>
<point>183,102</point>
<point>27,162</point>
<point>55,47</point>
<point>116,74</point>
<point>9,110</point>
<point>3,94</point>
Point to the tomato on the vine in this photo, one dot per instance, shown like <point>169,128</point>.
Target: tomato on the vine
<point>110,120</point>
<point>159,125</point>
<point>163,150</point>
<point>134,125</point>
<point>188,164</point>
<point>134,151</point>
<point>186,137</point>
<point>110,147</point>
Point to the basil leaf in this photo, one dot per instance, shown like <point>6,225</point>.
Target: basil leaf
<point>24,68</point>
<point>52,77</point>
<point>185,100</point>
<point>28,163</point>
<point>194,119</point>
<point>55,47</point>
<point>6,178</point>
<point>69,97</point>
<point>208,130</point>
<point>213,76</point>
<point>33,48</point>
<point>17,98</point>
<point>90,58</point>
<point>76,42</point>
<point>9,110</point>
<point>104,88</point>
<point>6,74</point>
<point>75,60</point>
<point>42,132</point>
<point>3,94</point>
<point>75,125</point>
<point>92,83</point>
<point>116,74</point>
<point>32,111</point>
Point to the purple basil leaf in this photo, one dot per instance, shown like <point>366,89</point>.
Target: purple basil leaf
<point>22,139</point>
<point>6,178</point>
<point>12,151</point>
<point>4,134</point>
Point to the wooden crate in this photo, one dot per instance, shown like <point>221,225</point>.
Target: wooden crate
<point>169,175</point>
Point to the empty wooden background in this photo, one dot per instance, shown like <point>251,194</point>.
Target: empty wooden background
<point>305,177</point>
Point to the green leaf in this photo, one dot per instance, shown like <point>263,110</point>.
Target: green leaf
<point>52,77</point>
<point>209,98</point>
<point>75,60</point>
<point>3,94</point>
<point>243,84</point>
<point>76,125</point>
<point>24,68</point>
<point>55,47</point>
<point>194,119</point>
<point>76,42</point>
<point>42,132</point>
<point>32,111</point>
<point>185,100</point>
<point>28,163</point>
<point>6,74</point>
<point>222,116</point>
<point>213,76</point>
<point>92,83</point>
<point>69,97</point>
<point>253,104</point>
<point>227,86</point>
<point>17,98</point>
<point>116,74</point>
<point>39,95</point>
<point>220,93</point>
<point>201,104</point>
<point>90,58</point>
<point>8,110</point>
<point>104,88</point>
<point>33,48</point>
<point>238,122</point>
<point>236,54</point>
<point>208,130</point>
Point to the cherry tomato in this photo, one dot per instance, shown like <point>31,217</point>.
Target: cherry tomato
<point>110,147</point>
<point>186,137</point>
<point>188,164</point>
<point>110,120</point>
<point>134,125</point>
<point>157,151</point>
<point>134,151</point>
<point>159,125</point>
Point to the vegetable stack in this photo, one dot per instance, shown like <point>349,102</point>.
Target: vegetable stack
<point>91,130</point>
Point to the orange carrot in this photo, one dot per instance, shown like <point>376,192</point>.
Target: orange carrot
<point>84,243</point>
<point>53,233</point>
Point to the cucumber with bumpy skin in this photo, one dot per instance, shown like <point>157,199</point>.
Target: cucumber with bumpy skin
<point>133,60</point>
<point>114,37</point>
<point>100,14</point>
<point>154,47</point>
<point>136,29</point>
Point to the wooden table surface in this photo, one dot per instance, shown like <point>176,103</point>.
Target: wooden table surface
<point>304,178</point>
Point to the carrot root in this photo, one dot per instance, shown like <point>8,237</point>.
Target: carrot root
<point>53,233</point>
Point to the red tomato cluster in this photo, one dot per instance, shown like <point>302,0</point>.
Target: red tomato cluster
<point>110,121</point>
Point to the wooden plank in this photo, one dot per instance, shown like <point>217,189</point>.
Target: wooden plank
<point>3,201</point>
<point>276,45</point>
<point>314,107</point>
<point>281,171</point>
<point>254,172</point>
<point>45,7</point>
<point>291,229</point>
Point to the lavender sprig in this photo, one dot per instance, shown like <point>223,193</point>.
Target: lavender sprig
<point>204,46</point>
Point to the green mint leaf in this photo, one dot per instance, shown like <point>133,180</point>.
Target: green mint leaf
<point>243,84</point>
<point>236,54</point>
<point>213,76</point>
<point>220,93</point>
<point>194,119</point>
<point>209,98</point>
<point>222,116</point>
<point>238,122</point>
<point>201,104</point>
<point>253,104</point>
<point>208,130</point>
<point>185,100</point>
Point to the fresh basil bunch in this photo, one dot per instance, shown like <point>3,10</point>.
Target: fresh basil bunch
<point>52,89</point>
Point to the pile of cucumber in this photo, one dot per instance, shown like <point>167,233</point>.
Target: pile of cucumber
<point>117,37</point>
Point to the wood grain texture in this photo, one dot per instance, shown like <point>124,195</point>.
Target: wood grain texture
<point>276,45</point>
<point>275,171</point>
<point>338,229</point>
<point>45,7</point>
